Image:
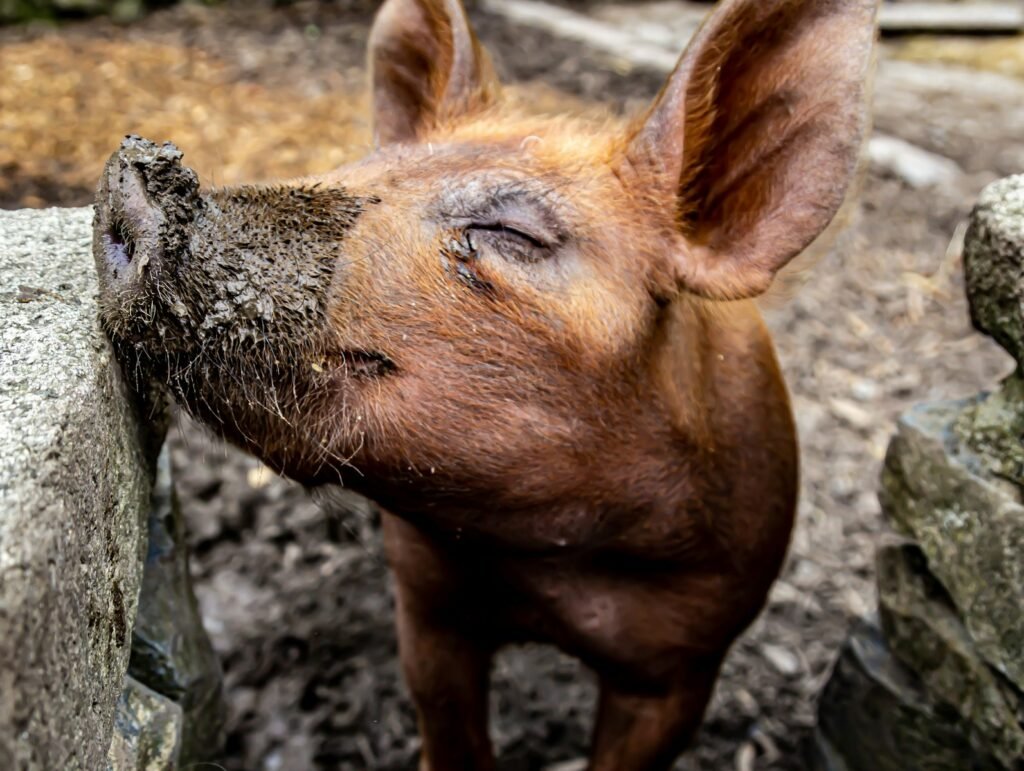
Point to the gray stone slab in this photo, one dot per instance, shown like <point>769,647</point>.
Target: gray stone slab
<point>74,491</point>
<point>968,522</point>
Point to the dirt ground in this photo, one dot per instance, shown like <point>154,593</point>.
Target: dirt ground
<point>298,600</point>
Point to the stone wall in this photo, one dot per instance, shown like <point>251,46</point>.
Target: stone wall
<point>77,507</point>
<point>936,681</point>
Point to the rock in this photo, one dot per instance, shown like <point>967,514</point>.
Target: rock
<point>147,731</point>
<point>171,652</point>
<point>922,630</point>
<point>875,715</point>
<point>944,689</point>
<point>968,523</point>
<point>74,492</point>
<point>993,427</point>
<point>994,264</point>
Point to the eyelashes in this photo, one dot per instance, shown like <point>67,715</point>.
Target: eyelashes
<point>509,241</point>
<point>510,231</point>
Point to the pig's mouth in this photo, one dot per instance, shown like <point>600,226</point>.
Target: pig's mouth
<point>366,364</point>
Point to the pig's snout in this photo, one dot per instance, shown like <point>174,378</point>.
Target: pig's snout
<point>146,199</point>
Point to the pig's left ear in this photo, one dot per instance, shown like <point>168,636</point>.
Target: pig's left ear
<point>426,66</point>
<point>756,136</point>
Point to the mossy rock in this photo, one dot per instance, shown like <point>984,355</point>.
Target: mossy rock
<point>875,714</point>
<point>968,522</point>
<point>147,731</point>
<point>923,631</point>
<point>993,427</point>
<point>994,264</point>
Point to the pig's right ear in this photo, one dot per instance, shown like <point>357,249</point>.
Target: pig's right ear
<point>426,66</point>
<point>755,137</point>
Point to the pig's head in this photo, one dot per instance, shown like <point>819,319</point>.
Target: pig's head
<point>467,313</point>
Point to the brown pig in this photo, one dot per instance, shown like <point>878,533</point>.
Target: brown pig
<point>531,341</point>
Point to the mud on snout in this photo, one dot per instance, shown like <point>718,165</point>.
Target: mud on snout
<point>222,295</point>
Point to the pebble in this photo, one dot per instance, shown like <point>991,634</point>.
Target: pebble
<point>864,390</point>
<point>852,413</point>
<point>783,659</point>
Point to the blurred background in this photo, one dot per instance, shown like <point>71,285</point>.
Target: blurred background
<point>298,601</point>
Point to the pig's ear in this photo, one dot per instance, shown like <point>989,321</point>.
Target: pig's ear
<point>755,136</point>
<point>426,66</point>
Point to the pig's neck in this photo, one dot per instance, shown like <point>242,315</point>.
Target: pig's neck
<point>711,441</point>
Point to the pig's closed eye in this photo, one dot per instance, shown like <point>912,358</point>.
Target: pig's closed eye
<point>511,241</point>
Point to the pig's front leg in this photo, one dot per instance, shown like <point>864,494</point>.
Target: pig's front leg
<point>646,731</point>
<point>445,663</point>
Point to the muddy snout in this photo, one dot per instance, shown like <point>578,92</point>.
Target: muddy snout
<point>144,204</point>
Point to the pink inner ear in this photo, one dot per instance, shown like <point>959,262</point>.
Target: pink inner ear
<point>762,120</point>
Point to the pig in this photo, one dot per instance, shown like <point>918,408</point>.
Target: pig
<point>533,341</point>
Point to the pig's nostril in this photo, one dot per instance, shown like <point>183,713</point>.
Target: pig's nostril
<point>119,244</point>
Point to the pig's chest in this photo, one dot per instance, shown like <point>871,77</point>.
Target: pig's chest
<point>604,616</point>
<point>547,601</point>
<point>563,536</point>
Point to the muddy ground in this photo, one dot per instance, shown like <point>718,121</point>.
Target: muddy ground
<point>297,600</point>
